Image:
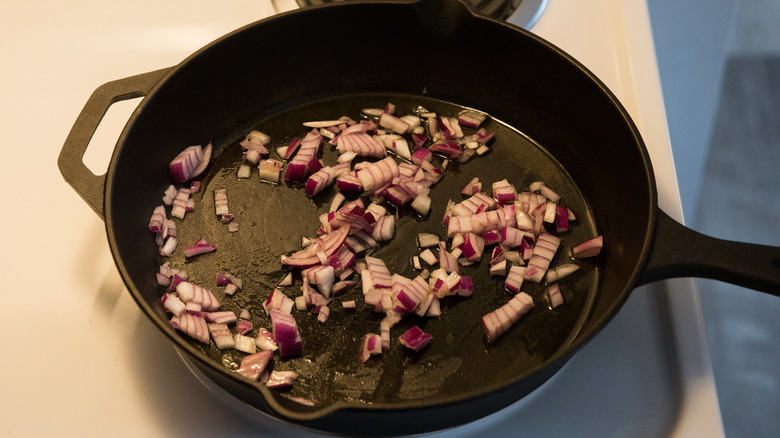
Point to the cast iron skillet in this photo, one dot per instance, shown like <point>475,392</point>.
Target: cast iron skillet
<point>555,121</point>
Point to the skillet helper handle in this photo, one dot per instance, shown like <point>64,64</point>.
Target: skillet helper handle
<point>682,252</point>
<point>89,186</point>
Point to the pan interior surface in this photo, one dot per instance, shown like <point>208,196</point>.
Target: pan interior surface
<point>459,363</point>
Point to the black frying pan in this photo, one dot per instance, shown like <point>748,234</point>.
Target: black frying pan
<point>554,120</point>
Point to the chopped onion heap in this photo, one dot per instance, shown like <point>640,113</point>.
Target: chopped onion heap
<point>387,160</point>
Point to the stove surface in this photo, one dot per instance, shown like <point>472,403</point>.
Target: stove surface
<point>82,355</point>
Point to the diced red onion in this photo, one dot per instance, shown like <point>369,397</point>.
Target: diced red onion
<point>560,272</point>
<point>221,201</point>
<point>378,174</point>
<point>221,335</point>
<point>450,127</point>
<point>427,240</point>
<point>472,246</point>
<point>588,248</point>
<point>181,203</point>
<point>253,365</point>
<point>546,246</point>
<point>554,295</point>
<point>184,165</point>
<point>299,167</point>
<point>361,144</point>
<point>277,300</point>
<point>411,295</point>
<point>285,332</point>
<point>323,313</point>
<point>415,339</point>
<point>221,317</point>
<point>384,229</point>
<point>191,292</point>
<point>504,192</point>
<point>371,345</point>
<point>173,304</point>
<point>200,247</point>
<point>328,244</point>
<point>446,260</point>
<point>158,219</point>
<point>244,326</point>
<point>265,340</point>
<point>422,204</point>
<point>498,269</point>
<point>449,149</point>
<point>393,123</point>
<point>500,320</point>
<point>292,148</point>
<point>194,326</point>
<point>269,170</point>
<point>281,379</point>
<point>514,279</point>
<point>244,344</point>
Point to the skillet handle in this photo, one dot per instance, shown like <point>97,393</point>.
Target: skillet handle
<point>679,251</point>
<point>88,185</point>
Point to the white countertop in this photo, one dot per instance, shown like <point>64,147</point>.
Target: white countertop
<point>81,360</point>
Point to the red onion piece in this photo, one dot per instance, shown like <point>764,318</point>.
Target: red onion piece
<point>185,163</point>
<point>514,279</point>
<point>221,335</point>
<point>265,340</point>
<point>253,365</point>
<point>300,165</point>
<point>221,317</point>
<point>277,300</point>
<point>191,292</point>
<point>243,326</point>
<point>449,149</point>
<point>464,287</point>
<point>292,148</point>
<point>158,219</point>
<point>281,379</point>
<point>472,246</point>
<point>328,243</point>
<point>500,320</point>
<point>411,295</point>
<point>378,174</point>
<point>194,326</point>
<point>221,201</point>
<point>471,119</point>
<point>560,272</point>
<point>362,144</point>
<point>589,248</point>
<point>198,248</point>
<point>446,260</point>
<point>244,344</point>
<point>546,246</point>
<point>389,121</point>
<point>173,304</point>
<point>554,295</point>
<point>269,170</point>
<point>450,127</point>
<point>204,162</point>
<point>181,203</point>
<point>504,192</point>
<point>371,345</point>
<point>415,339</point>
<point>285,329</point>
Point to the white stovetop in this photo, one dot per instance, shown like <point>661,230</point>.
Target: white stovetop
<point>80,359</point>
